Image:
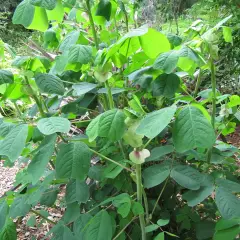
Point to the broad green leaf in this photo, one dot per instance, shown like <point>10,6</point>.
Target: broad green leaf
<point>137,208</point>
<point>100,227</point>
<point>77,191</point>
<point>228,185</point>
<point>83,87</point>
<point>112,170</point>
<point>49,197</point>
<point>57,14</point>
<point>234,101</point>
<point>73,161</point>
<point>72,213</point>
<point>227,203</point>
<point>136,105</point>
<point>123,204</point>
<point>187,177</point>
<point>150,43</point>
<point>52,125</point>
<point>47,4</point>
<point>156,121</point>
<point>70,40</point>
<point>40,160</point>
<point>192,130</point>
<point>162,222</point>
<point>229,234</point>
<point>167,61</point>
<point>166,85</point>
<point>6,77</point>
<point>104,9</point>
<point>151,228</point>
<point>3,213</point>
<point>24,13</point>
<point>156,174</point>
<point>5,127</point>
<point>81,225</point>
<point>205,229</point>
<point>19,207</point>
<point>9,232</point>
<point>160,236</point>
<point>49,83</point>
<point>158,152</point>
<point>40,20</point>
<point>195,197</point>
<point>223,224</point>
<point>13,144</point>
<point>109,124</point>
<point>80,54</point>
<point>227,34</point>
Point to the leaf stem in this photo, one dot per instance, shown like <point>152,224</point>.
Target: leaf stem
<point>122,230</point>
<point>198,83</point>
<point>43,217</point>
<point>110,160</point>
<point>92,23</point>
<point>159,196</point>
<point>145,205</point>
<point>35,97</point>
<point>139,198</point>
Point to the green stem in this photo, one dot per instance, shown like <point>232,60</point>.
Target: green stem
<point>110,160</point>
<point>92,23</point>
<point>116,237</point>
<point>19,111</point>
<point>122,149</point>
<point>213,82</point>
<point>159,196</point>
<point>35,97</point>
<point>139,198</point>
<point>43,217</point>
<point>146,205</point>
<point>110,97</point>
<point>198,83</point>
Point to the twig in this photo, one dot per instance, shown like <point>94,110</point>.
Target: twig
<point>110,160</point>
<point>43,217</point>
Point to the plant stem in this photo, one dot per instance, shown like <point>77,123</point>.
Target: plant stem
<point>147,143</point>
<point>122,230</point>
<point>145,205</point>
<point>19,112</point>
<point>213,82</point>
<point>92,23</point>
<point>198,83</point>
<point>139,198</point>
<point>110,97</point>
<point>122,149</point>
<point>110,160</point>
<point>160,194</point>
<point>35,97</point>
<point>43,217</point>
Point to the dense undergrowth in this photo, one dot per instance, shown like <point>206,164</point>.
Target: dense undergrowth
<point>113,114</point>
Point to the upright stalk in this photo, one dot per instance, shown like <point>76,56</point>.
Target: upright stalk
<point>198,83</point>
<point>110,97</point>
<point>139,198</point>
<point>92,23</point>
<point>213,82</point>
<point>35,97</point>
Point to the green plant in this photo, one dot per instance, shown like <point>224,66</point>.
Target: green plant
<point>99,101</point>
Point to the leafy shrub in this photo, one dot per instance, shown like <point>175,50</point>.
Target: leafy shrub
<point>106,112</point>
